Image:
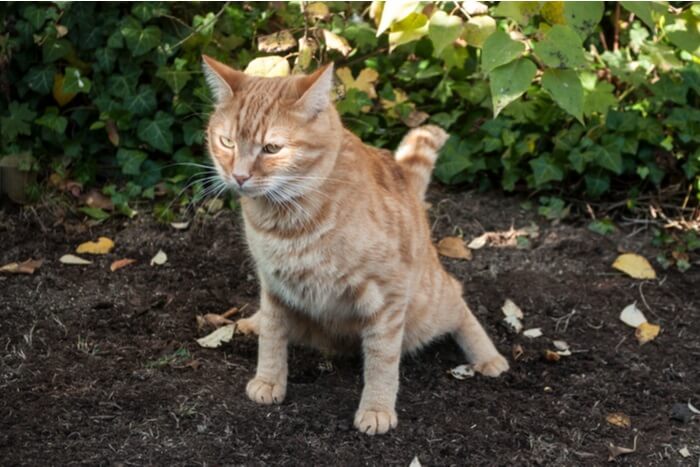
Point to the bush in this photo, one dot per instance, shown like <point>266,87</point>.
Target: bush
<point>584,96</point>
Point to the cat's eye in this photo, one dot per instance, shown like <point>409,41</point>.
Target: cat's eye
<point>226,142</point>
<point>271,148</point>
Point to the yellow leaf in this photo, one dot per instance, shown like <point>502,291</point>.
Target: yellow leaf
<point>62,98</point>
<point>399,97</point>
<point>268,67</point>
<point>634,266</point>
<point>453,247</point>
<point>277,42</point>
<point>646,332</point>
<point>364,82</point>
<point>409,29</point>
<point>121,263</point>
<point>336,42</point>
<point>553,12</point>
<point>317,10</point>
<point>102,246</point>
<point>394,10</point>
<point>619,419</point>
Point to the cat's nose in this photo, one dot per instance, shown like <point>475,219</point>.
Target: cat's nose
<point>241,179</point>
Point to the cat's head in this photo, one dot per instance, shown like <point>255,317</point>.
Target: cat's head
<point>271,137</point>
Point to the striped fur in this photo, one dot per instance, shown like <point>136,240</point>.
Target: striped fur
<point>340,240</point>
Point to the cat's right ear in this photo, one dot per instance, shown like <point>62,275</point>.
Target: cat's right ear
<point>222,79</point>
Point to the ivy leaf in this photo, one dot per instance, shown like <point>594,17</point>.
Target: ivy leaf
<point>157,132</point>
<point>561,48</point>
<point>409,29</point>
<point>600,99</point>
<point>143,102</point>
<point>498,50</point>
<point>18,123</point>
<point>140,40</point>
<point>521,12</point>
<point>597,184</point>
<point>193,132</point>
<point>608,158</point>
<point>176,79</point>
<point>37,16</point>
<point>546,170</point>
<point>478,29</point>
<point>443,30</point>
<point>510,81</point>
<point>40,78</point>
<point>565,88</point>
<point>130,160</point>
<point>453,159</point>
<point>55,49</point>
<point>583,17</point>
<point>74,82</point>
<point>52,120</point>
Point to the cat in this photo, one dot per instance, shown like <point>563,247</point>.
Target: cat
<point>339,235</point>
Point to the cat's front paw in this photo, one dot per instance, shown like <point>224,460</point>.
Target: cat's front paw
<point>248,326</point>
<point>375,421</point>
<point>264,392</point>
<point>493,366</point>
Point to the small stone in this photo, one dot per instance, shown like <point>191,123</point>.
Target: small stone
<point>681,413</point>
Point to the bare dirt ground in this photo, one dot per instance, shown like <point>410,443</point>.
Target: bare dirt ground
<point>101,368</point>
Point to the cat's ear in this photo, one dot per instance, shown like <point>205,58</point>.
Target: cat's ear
<point>315,90</point>
<point>222,79</point>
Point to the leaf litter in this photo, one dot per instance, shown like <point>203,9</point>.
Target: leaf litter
<point>121,263</point>
<point>635,266</point>
<point>72,259</point>
<point>462,372</point>
<point>159,259</point>
<point>644,331</point>
<point>25,267</point>
<point>102,246</point>
<point>453,247</point>
<point>616,451</point>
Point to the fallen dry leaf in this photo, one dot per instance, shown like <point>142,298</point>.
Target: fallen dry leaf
<point>551,356</point>
<point>462,372</point>
<point>212,321</point>
<point>560,345</point>
<point>317,10</point>
<point>102,246</point>
<point>693,409</point>
<point>514,323</point>
<point>453,247</point>
<point>336,42</point>
<point>616,451</point>
<point>632,316</point>
<point>95,199</point>
<point>218,337</point>
<point>646,332</point>
<point>121,263</point>
<point>415,462</point>
<point>159,259</point>
<point>619,419</point>
<point>684,452</point>
<point>72,259</point>
<point>518,352</point>
<point>277,42</point>
<point>509,308</point>
<point>479,242</point>
<point>25,267</point>
<point>634,266</point>
<point>533,333</point>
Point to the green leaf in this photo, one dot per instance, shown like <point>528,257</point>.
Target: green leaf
<point>684,31</point>
<point>443,30</point>
<point>140,40</point>
<point>561,48</point>
<point>74,82</point>
<point>545,170</point>
<point>193,132</point>
<point>40,78</point>
<point>37,15</point>
<point>18,123</point>
<point>565,88</point>
<point>648,12</point>
<point>55,49</point>
<point>409,29</point>
<point>52,120</point>
<point>583,17</point>
<point>608,158</point>
<point>479,28</point>
<point>146,11</point>
<point>176,79</point>
<point>510,81</point>
<point>143,102</point>
<point>95,213</point>
<point>498,50</point>
<point>521,12</point>
<point>453,159</point>
<point>157,132</point>
<point>130,160</point>
<point>600,99</point>
<point>602,226</point>
<point>597,184</point>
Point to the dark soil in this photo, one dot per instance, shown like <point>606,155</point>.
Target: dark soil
<point>102,368</point>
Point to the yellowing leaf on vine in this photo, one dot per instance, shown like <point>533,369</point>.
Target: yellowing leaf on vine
<point>392,11</point>
<point>477,29</point>
<point>317,10</point>
<point>62,98</point>
<point>336,42</point>
<point>102,246</point>
<point>364,81</point>
<point>399,97</point>
<point>634,266</point>
<point>553,12</point>
<point>277,42</point>
<point>409,29</point>
<point>268,67</point>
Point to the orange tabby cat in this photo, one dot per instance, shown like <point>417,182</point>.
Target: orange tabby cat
<point>339,235</point>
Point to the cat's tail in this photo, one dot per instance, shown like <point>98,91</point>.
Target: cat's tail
<point>418,152</point>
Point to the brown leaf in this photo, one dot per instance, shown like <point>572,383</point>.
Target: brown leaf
<point>277,42</point>
<point>336,42</point>
<point>415,118</point>
<point>646,332</point>
<point>453,247</point>
<point>616,451</point>
<point>95,199</point>
<point>112,132</point>
<point>212,321</point>
<point>619,419</point>
<point>121,263</point>
<point>551,356</point>
<point>25,267</point>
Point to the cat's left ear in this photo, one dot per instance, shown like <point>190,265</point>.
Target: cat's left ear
<point>315,90</point>
<point>222,79</point>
